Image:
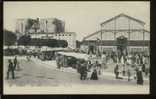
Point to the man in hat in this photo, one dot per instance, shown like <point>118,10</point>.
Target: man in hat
<point>11,69</point>
<point>83,71</point>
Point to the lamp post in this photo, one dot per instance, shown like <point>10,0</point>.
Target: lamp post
<point>128,36</point>
<point>143,40</point>
<point>98,44</point>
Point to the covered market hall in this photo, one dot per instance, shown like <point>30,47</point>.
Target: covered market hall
<point>120,32</point>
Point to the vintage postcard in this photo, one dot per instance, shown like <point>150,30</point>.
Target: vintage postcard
<point>76,47</point>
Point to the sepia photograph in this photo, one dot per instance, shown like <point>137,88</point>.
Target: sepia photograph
<point>76,47</point>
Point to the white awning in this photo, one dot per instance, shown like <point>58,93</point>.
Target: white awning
<point>76,55</point>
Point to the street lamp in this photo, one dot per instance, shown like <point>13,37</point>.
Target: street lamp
<point>101,40</point>
<point>98,44</point>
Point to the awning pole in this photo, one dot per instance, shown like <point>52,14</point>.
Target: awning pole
<point>101,40</point>
<point>128,44</point>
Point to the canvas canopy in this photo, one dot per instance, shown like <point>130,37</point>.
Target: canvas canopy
<point>76,55</point>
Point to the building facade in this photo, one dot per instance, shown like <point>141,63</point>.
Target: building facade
<point>47,25</point>
<point>138,39</point>
<point>45,28</point>
<point>21,25</point>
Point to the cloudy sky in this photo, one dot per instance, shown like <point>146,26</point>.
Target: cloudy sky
<point>81,17</point>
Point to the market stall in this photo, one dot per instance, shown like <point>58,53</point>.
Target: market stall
<point>49,53</point>
<point>70,59</point>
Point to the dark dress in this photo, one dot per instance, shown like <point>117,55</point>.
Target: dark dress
<point>94,75</point>
<point>129,74</point>
<point>139,78</point>
<point>143,67</point>
<point>83,73</point>
<point>116,71</point>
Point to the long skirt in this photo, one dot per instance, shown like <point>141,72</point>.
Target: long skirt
<point>94,76</point>
<point>139,78</point>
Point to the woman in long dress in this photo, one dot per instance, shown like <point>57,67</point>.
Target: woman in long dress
<point>139,76</point>
<point>116,71</point>
<point>94,75</point>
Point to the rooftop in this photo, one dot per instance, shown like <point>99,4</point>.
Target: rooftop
<point>123,15</point>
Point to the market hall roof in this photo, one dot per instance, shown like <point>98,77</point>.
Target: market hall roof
<point>113,43</point>
<point>110,30</point>
<point>123,15</point>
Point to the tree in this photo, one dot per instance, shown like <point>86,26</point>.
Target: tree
<point>9,38</point>
<point>52,43</point>
<point>24,40</point>
<point>65,43</point>
<point>62,43</point>
<point>57,43</point>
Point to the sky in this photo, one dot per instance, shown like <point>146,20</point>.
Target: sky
<point>83,18</point>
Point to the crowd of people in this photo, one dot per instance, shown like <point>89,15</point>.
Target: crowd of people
<point>133,66</point>
<point>88,71</point>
